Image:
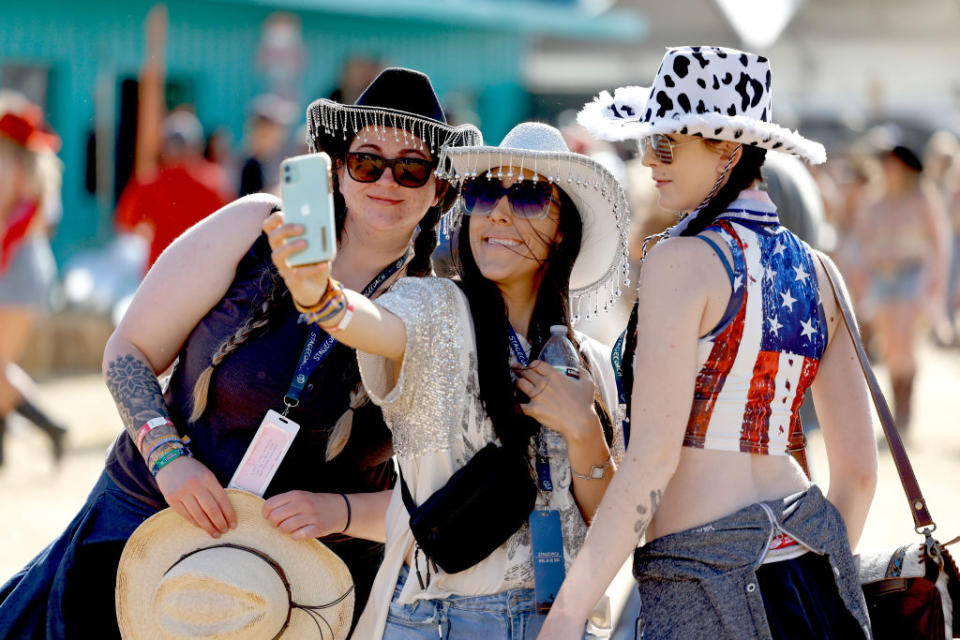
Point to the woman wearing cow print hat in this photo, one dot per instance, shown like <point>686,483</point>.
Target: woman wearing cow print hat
<point>732,331</point>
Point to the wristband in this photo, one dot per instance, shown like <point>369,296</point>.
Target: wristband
<point>332,289</point>
<point>344,321</point>
<point>167,459</point>
<point>159,443</point>
<point>150,425</point>
<point>349,512</point>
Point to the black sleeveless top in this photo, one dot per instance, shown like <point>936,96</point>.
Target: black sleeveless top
<point>253,379</point>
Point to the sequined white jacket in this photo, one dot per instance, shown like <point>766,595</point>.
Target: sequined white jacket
<point>438,423</point>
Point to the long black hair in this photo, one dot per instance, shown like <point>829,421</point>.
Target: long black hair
<point>498,393</point>
<point>742,175</point>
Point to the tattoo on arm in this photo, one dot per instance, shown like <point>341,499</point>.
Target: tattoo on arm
<point>646,513</point>
<point>136,391</point>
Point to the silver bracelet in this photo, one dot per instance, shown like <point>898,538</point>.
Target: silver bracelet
<point>596,471</point>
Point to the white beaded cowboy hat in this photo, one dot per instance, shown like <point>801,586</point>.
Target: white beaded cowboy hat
<point>713,92</point>
<point>601,267</point>
<point>252,583</point>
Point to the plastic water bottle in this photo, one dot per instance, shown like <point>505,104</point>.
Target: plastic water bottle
<point>559,352</point>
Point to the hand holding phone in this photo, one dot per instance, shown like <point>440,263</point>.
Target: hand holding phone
<point>306,187</point>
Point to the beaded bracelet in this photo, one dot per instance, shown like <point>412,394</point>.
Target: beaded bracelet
<point>167,459</point>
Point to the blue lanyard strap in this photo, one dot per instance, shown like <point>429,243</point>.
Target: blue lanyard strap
<point>543,455</point>
<point>517,348</point>
<point>313,355</point>
<point>616,359</point>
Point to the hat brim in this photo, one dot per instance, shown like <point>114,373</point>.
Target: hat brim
<point>315,573</point>
<point>595,193</point>
<point>741,129</point>
<point>332,125</point>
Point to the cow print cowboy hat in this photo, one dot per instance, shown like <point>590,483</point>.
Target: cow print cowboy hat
<point>713,92</point>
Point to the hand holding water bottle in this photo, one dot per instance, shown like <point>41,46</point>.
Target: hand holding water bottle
<point>561,391</point>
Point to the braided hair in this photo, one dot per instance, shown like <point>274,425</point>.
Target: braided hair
<point>263,312</point>
<point>742,175</point>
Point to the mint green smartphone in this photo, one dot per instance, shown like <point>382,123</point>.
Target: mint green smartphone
<point>306,190</point>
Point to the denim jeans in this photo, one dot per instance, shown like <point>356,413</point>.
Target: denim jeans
<point>67,591</point>
<point>509,615</point>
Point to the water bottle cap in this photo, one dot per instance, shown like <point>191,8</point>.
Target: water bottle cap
<point>558,329</point>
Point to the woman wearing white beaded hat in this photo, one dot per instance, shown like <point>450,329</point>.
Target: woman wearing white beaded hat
<point>542,223</point>
<point>732,332</point>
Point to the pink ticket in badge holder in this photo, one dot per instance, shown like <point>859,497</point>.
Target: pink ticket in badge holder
<point>265,453</point>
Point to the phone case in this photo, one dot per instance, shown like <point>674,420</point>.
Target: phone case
<point>306,191</point>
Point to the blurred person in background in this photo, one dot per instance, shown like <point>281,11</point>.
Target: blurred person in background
<point>215,304</point>
<point>357,72</point>
<point>185,189</point>
<point>943,165</point>
<point>267,136</point>
<point>219,150</point>
<point>902,238</point>
<point>857,180</point>
<point>30,178</point>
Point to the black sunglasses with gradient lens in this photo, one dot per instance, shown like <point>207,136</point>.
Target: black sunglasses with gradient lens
<point>408,172</point>
<point>662,147</point>
<point>528,198</point>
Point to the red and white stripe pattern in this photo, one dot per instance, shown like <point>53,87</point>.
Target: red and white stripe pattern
<point>754,371</point>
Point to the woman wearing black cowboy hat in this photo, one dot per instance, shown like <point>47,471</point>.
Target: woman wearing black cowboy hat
<point>214,305</point>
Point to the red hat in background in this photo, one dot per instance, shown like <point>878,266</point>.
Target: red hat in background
<point>26,130</point>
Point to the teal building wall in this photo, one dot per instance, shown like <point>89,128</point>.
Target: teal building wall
<point>89,47</point>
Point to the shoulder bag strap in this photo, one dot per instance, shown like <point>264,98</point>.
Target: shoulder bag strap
<point>918,505</point>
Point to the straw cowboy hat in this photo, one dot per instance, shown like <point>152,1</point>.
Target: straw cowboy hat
<point>601,268</point>
<point>713,92</point>
<point>254,582</point>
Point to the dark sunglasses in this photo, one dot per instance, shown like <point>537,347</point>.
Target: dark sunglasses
<point>408,172</point>
<point>662,147</point>
<point>528,198</point>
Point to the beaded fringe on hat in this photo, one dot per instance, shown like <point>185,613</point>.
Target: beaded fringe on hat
<point>568,172</point>
<point>345,121</point>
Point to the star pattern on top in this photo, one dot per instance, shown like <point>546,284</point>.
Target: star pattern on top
<point>808,329</point>
<point>788,300</point>
<point>802,275</point>
<point>775,326</point>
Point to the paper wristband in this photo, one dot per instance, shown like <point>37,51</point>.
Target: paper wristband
<point>148,426</point>
<point>344,321</point>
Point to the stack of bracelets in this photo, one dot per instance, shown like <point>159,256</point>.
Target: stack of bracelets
<point>159,444</point>
<point>334,301</point>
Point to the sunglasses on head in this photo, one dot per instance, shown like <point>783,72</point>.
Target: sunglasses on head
<point>528,198</point>
<point>408,172</point>
<point>662,147</point>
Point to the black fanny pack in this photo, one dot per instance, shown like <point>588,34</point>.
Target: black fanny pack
<point>476,511</point>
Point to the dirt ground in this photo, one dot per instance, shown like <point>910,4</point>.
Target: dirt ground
<point>37,501</point>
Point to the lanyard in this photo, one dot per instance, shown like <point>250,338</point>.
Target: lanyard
<point>616,359</point>
<point>543,456</point>
<point>312,355</point>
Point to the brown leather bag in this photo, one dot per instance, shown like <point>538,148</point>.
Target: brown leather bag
<point>911,592</point>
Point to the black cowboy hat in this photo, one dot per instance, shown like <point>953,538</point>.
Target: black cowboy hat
<point>399,98</point>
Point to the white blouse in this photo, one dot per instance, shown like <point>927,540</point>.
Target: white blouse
<point>438,423</point>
